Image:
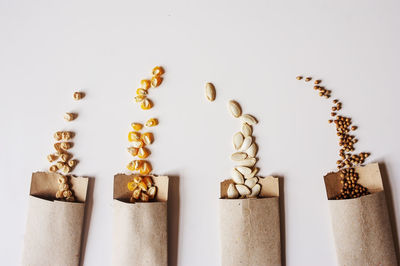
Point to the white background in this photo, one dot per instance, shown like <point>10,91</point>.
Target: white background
<point>251,50</point>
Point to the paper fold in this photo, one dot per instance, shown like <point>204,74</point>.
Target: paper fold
<point>361,226</point>
<point>250,228</point>
<point>139,229</point>
<point>53,233</point>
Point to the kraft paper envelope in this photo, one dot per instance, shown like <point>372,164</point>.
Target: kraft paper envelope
<point>361,226</point>
<point>54,228</point>
<point>250,228</point>
<point>139,229</point>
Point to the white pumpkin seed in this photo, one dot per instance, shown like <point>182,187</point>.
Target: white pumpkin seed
<point>234,108</point>
<point>238,140</point>
<point>210,92</point>
<point>249,162</point>
<point>252,150</point>
<point>251,182</point>
<point>249,119</point>
<point>238,156</point>
<point>246,143</point>
<point>246,130</point>
<point>232,192</point>
<point>237,177</point>
<point>244,170</point>
<point>243,190</point>
<point>255,191</point>
<point>252,174</point>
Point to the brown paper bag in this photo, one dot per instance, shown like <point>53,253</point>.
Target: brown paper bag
<point>250,228</point>
<point>361,226</point>
<point>139,229</point>
<point>54,228</point>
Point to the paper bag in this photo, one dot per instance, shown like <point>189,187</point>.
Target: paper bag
<point>250,228</point>
<point>361,226</point>
<point>139,229</point>
<point>54,228</point>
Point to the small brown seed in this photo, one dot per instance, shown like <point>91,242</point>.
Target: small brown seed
<point>299,77</point>
<point>308,79</point>
<point>78,95</point>
<point>318,81</point>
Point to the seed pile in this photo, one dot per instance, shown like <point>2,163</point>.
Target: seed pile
<point>244,173</point>
<point>62,158</point>
<point>142,92</point>
<point>348,158</point>
<point>142,187</point>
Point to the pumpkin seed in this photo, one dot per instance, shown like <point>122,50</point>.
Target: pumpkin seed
<point>210,92</point>
<point>237,140</point>
<point>249,119</point>
<point>234,108</point>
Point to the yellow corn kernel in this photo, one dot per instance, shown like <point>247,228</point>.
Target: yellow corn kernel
<point>143,153</point>
<point>147,138</point>
<point>137,179</point>
<point>157,71</point>
<point>52,157</point>
<point>152,192</point>
<point>136,193</point>
<point>136,126</point>
<point>146,104</point>
<point>148,181</point>
<point>137,144</point>
<point>146,168</point>
<point>137,164</point>
<point>133,136</point>
<point>132,186</point>
<point>140,98</point>
<point>133,151</point>
<point>152,122</point>
<point>131,166</point>
<point>145,83</point>
<point>142,186</point>
<point>144,197</point>
<point>141,92</point>
<point>53,168</point>
<point>156,81</point>
<point>58,135</point>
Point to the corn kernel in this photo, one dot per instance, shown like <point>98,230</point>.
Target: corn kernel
<point>140,98</point>
<point>72,163</point>
<point>57,147</point>
<point>58,135</point>
<point>67,135</point>
<point>136,193</point>
<point>146,104</point>
<point>131,166</point>
<point>62,179</point>
<point>148,181</point>
<point>142,186</point>
<point>133,151</point>
<point>143,153</point>
<point>137,179</point>
<point>52,157</point>
<point>157,71</point>
<point>67,193</point>
<point>132,186</point>
<point>66,145</point>
<point>146,168</point>
<point>66,169</point>
<point>144,197</point>
<point>59,194</point>
<point>152,122</point>
<point>63,187</point>
<point>64,157</point>
<point>137,144</point>
<point>147,138</point>
<point>152,192</point>
<point>53,168</point>
<point>78,95</point>
<point>141,92</point>
<point>136,126</point>
<point>137,164</point>
<point>72,198</point>
<point>70,116</point>
<point>133,136</point>
<point>156,81</point>
<point>60,165</point>
<point>145,83</point>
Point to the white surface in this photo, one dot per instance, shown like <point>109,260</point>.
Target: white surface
<point>251,50</point>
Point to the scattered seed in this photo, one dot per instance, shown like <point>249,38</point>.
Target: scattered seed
<point>210,92</point>
<point>249,119</point>
<point>234,108</point>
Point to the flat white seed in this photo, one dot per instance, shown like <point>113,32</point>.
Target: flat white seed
<point>246,143</point>
<point>255,191</point>
<point>210,92</point>
<point>252,150</point>
<point>249,162</point>
<point>237,177</point>
<point>249,119</point>
<point>244,170</point>
<point>246,130</point>
<point>251,182</point>
<point>243,190</point>
<point>234,108</point>
<point>232,192</point>
<point>238,156</point>
<point>253,173</point>
<point>237,140</point>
